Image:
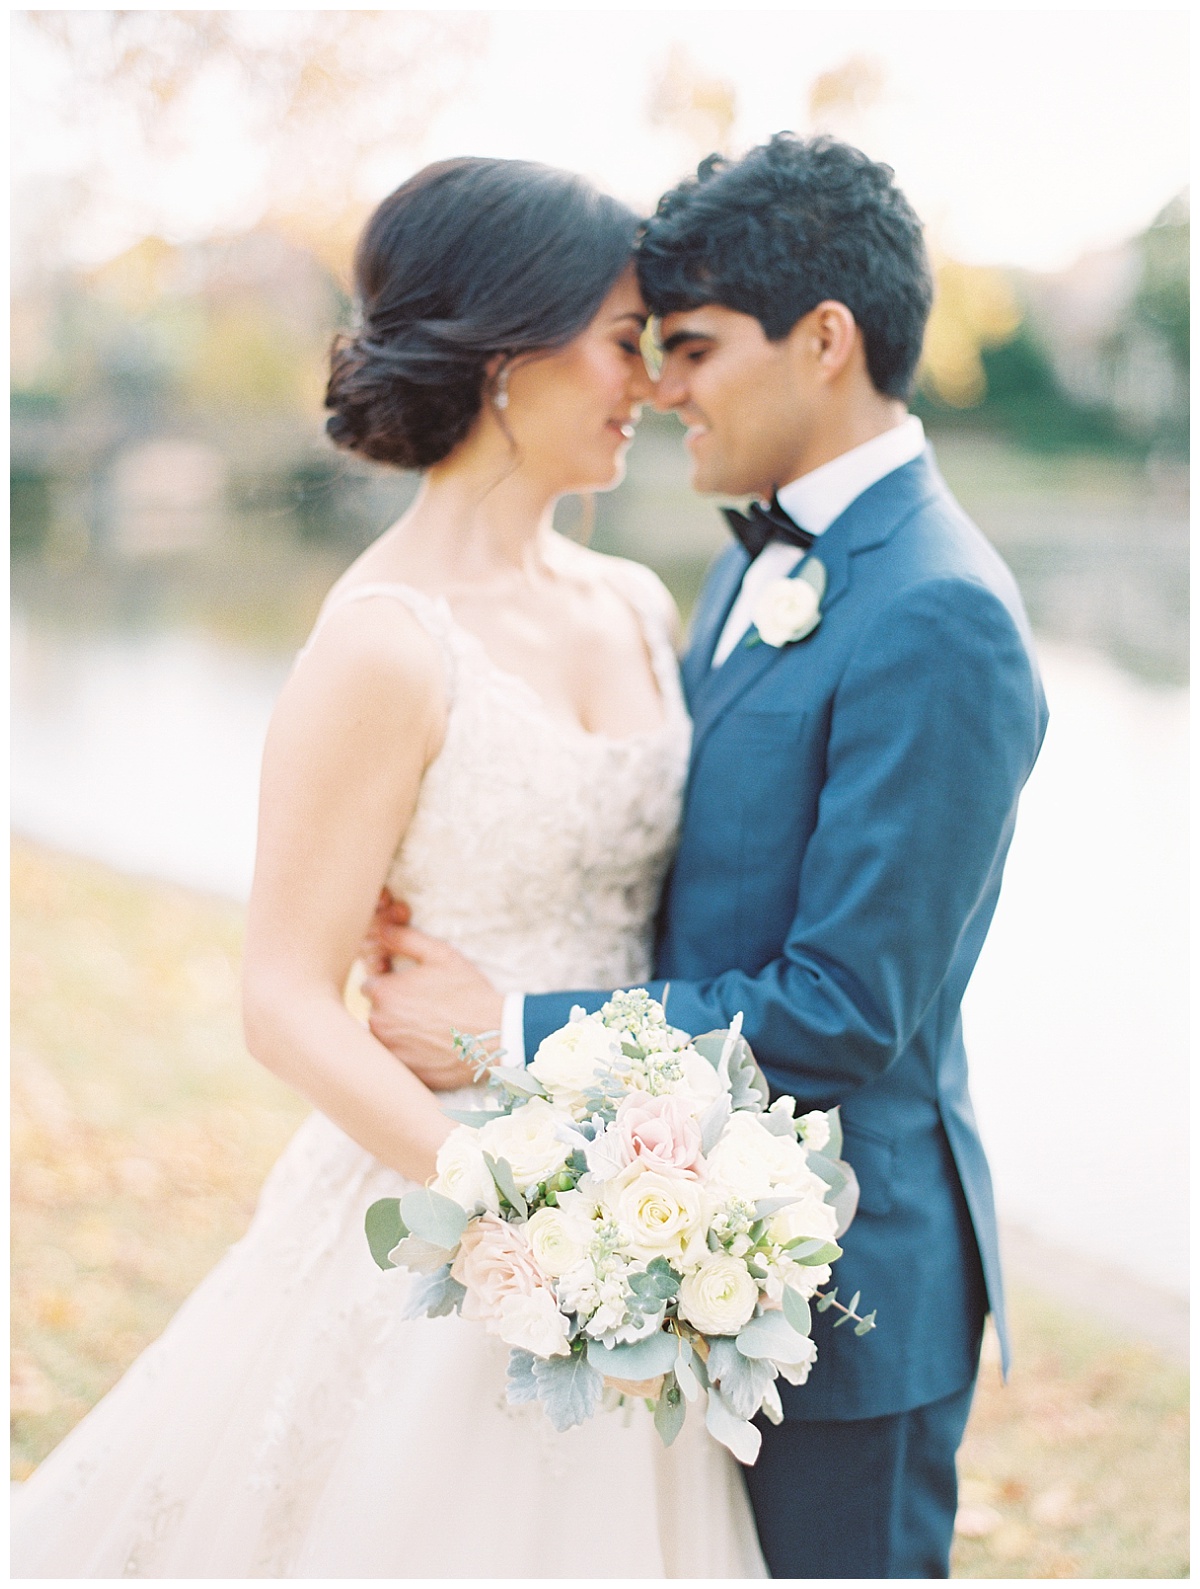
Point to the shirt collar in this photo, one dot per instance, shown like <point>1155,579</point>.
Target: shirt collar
<point>824,494</point>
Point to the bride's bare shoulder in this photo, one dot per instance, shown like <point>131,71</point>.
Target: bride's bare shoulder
<point>369,643</point>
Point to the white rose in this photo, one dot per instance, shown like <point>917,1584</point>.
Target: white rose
<point>751,1162</point>
<point>462,1173</point>
<point>557,1240</point>
<point>810,1217</point>
<point>787,610</point>
<point>567,1061</point>
<point>718,1296</point>
<point>700,1085</point>
<point>529,1140</point>
<point>663,1213</point>
<point>814,1128</point>
<point>534,1324</point>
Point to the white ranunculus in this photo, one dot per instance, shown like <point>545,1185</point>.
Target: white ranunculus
<point>663,1213</point>
<point>814,1129</point>
<point>529,1139</point>
<point>462,1173</point>
<point>567,1061</point>
<point>751,1162</point>
<point>558,1240</point>
<point>787,610</point>
<point>719,1295</point>
<point>534,1323</point>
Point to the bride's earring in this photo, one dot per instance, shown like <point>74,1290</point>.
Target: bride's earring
<point>500,396</point>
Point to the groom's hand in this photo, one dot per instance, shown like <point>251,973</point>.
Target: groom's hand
<point>414,1006</point>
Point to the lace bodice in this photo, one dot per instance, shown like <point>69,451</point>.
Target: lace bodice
<point>538,849</point>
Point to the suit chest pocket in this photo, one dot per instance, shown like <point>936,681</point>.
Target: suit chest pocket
<point>780,765</point>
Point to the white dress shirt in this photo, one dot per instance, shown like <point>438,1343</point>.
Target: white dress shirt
<point>814,501</point>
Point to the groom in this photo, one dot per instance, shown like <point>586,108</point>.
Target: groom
<point>851,799</point>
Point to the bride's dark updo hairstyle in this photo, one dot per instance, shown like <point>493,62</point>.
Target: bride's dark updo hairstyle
<point>468,259</point>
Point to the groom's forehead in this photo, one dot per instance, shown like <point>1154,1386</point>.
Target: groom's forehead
<point>710,322</point>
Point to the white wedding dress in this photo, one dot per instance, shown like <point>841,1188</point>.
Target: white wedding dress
<point>288,1423</point>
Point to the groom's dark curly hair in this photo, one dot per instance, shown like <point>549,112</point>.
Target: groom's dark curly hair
<point>791,224</point>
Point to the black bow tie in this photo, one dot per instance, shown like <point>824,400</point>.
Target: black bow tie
<point>764,524</point>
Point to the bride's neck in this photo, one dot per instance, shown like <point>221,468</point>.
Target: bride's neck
<point>479,518</point>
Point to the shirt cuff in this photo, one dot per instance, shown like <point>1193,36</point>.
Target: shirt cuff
<point>512,1029</point>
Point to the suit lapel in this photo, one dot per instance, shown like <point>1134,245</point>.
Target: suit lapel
<point>710,620</point>
<point>869,521</point>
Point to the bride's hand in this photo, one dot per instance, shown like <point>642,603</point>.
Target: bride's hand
<point>376,952</point>
<point>414,1007</point>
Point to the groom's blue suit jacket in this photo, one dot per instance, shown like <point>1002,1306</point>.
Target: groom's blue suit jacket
<point>849,806</point>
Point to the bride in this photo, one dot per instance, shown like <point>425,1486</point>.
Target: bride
<point>487,719</point>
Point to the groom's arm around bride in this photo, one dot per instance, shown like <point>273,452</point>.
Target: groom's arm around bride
<point>852,795</point>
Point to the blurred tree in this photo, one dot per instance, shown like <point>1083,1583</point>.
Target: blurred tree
<point>331,104</point>
<point>701,109</point>
<point>1163,298</point>
<point>841,97</point>
<point>974,308</point>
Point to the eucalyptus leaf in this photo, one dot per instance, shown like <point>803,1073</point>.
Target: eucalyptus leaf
<point>659,1282</point>
<point>423,1257</point>
<point>502,1174</point>
<point>475,1117</point>
<point>740,1437</point>
<point>833,1148</point>
<point>797,1311</point>
<point>436,1219</point>
<point>520,1083</point>
<point>569,1386</point>
<point>770,1335</point>
<point>842,1182</point>
<point>521,1385</point>
<point>434,1295</point>
<point>766,1206</point>
<point>827,1299</point>
<point>812,1251</point>
<point>384,1229</point>
<point>743,1380</point>
<point>670,1410</point>
<point>685,1373</point>
<point>635,1359</point>
<point>865,1326</point>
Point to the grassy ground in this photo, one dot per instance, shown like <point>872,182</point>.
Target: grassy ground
<point>141,1132</point>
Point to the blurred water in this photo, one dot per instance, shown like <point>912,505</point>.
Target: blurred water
<point>143,752</point>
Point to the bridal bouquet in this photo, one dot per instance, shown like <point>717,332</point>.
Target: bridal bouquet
<point>632,1220</point>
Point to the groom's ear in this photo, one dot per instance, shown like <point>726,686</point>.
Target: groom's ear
<point>826,339</point>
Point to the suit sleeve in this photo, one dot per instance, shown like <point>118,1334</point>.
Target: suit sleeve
<point>934,728</point>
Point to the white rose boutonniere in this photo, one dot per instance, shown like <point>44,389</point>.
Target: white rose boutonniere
<point>790,609</point>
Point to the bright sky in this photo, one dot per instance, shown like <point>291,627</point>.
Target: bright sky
<point>1022,137</point>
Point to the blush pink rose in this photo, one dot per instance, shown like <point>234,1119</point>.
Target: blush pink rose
<point>506,1291</point>
<point>660,1133</point>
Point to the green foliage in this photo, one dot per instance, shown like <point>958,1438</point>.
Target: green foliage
<point>739,1436</point>
<point>435,1295</point>
<point>635,1359</point>
<point>501,1172</point>
<point>770,1335</point>
<point>743,1380</point>
<point>385,1228</point>
<point>670,1410</point>
<point>435,1219</point>
<point>796,1310</point>
<point>569,1386</point>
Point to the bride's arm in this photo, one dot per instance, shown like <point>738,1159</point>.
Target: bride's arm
<point>354,729</point>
